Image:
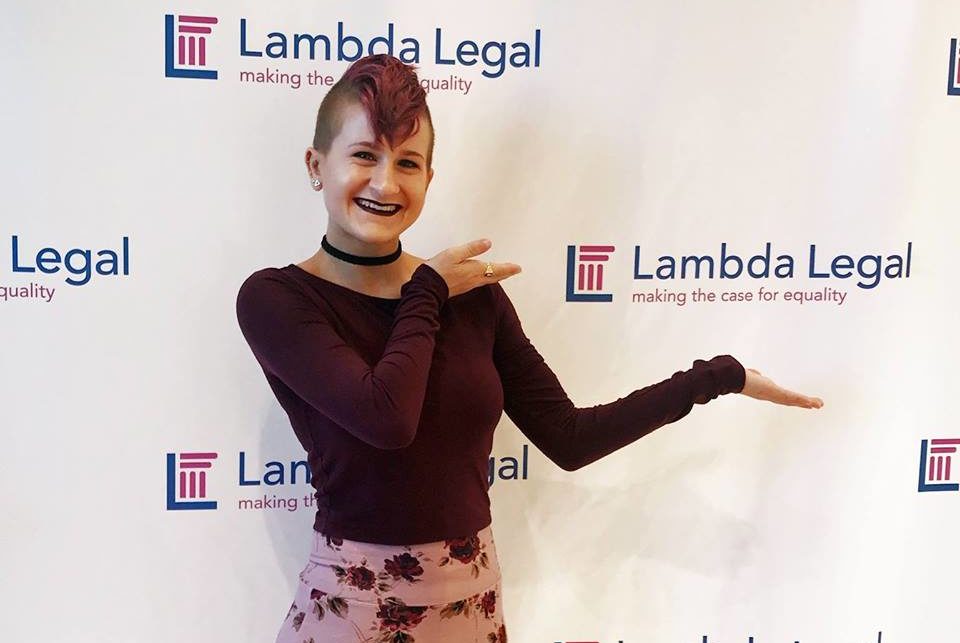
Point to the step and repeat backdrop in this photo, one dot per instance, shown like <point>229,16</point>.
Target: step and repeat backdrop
<point>678,180</point>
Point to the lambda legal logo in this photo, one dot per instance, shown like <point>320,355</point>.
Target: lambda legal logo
<point>935,469</point>
<point>187,481</point>
<point>186,46</point>
<point>953,76</point>
<point>585,273</point>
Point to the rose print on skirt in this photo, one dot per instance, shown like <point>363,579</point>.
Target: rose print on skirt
<point>469,551</point>
<point>440,592</point>
<point>489,603</point>
<point>500,636</point>
<point>397,619</point>
<point>356,575</point>
<point>403,566</point>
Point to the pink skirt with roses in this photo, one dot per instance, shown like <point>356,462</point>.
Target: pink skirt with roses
<point>441,592</point>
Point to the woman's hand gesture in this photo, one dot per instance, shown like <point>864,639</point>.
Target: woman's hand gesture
<point>760,387</point>
<point>463,273</point>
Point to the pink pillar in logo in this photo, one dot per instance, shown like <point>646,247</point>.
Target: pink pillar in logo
<point>590,276</point>
<point>590,268</point>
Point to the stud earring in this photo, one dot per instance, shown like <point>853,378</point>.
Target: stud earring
<point>316,183</point>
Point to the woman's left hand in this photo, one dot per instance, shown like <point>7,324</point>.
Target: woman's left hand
<point>760,387</point>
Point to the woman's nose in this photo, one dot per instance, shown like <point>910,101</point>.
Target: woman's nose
<point>384,179</point>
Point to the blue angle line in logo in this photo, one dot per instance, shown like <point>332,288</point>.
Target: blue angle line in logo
<point>953,83</point>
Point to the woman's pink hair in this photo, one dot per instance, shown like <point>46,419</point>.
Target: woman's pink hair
<point>390,94</point>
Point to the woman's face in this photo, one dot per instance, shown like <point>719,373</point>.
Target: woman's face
<point>373,192</point>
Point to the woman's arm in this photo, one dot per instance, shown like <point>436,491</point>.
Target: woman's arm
<point>378,403</point>
<point>574,437</point>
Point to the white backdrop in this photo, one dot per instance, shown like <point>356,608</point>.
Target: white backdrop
<point>672,127</point>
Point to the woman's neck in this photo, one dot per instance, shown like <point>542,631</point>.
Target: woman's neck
<point>379,281</point>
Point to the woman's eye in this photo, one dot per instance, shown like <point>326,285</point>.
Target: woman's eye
<point>409,164</point>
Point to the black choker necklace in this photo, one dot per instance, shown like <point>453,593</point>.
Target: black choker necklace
<point>357,259</point>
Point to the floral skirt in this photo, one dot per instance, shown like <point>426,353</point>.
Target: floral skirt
<point>440,592</point>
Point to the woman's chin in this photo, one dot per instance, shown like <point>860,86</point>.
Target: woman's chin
<point>373,228</point>
<point>377,232</point>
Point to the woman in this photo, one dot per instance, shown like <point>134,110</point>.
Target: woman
<point>394,371</point>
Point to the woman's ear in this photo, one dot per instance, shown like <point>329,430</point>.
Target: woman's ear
<point>312,160</point>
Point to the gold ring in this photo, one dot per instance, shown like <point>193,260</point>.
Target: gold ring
<point>488,272</point>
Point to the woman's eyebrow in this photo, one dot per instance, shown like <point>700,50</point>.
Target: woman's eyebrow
<point>377,146</point>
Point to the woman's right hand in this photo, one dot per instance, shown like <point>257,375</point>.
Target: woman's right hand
<point>462,273</point>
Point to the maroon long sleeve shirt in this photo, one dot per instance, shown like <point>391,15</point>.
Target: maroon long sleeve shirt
<point>396,400</point>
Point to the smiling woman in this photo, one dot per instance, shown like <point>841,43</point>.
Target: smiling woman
<point>395,370</point>
<point>372,191</point>
<point>371,155</point>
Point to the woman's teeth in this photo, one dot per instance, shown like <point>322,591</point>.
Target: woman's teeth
<point>377,208</point>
